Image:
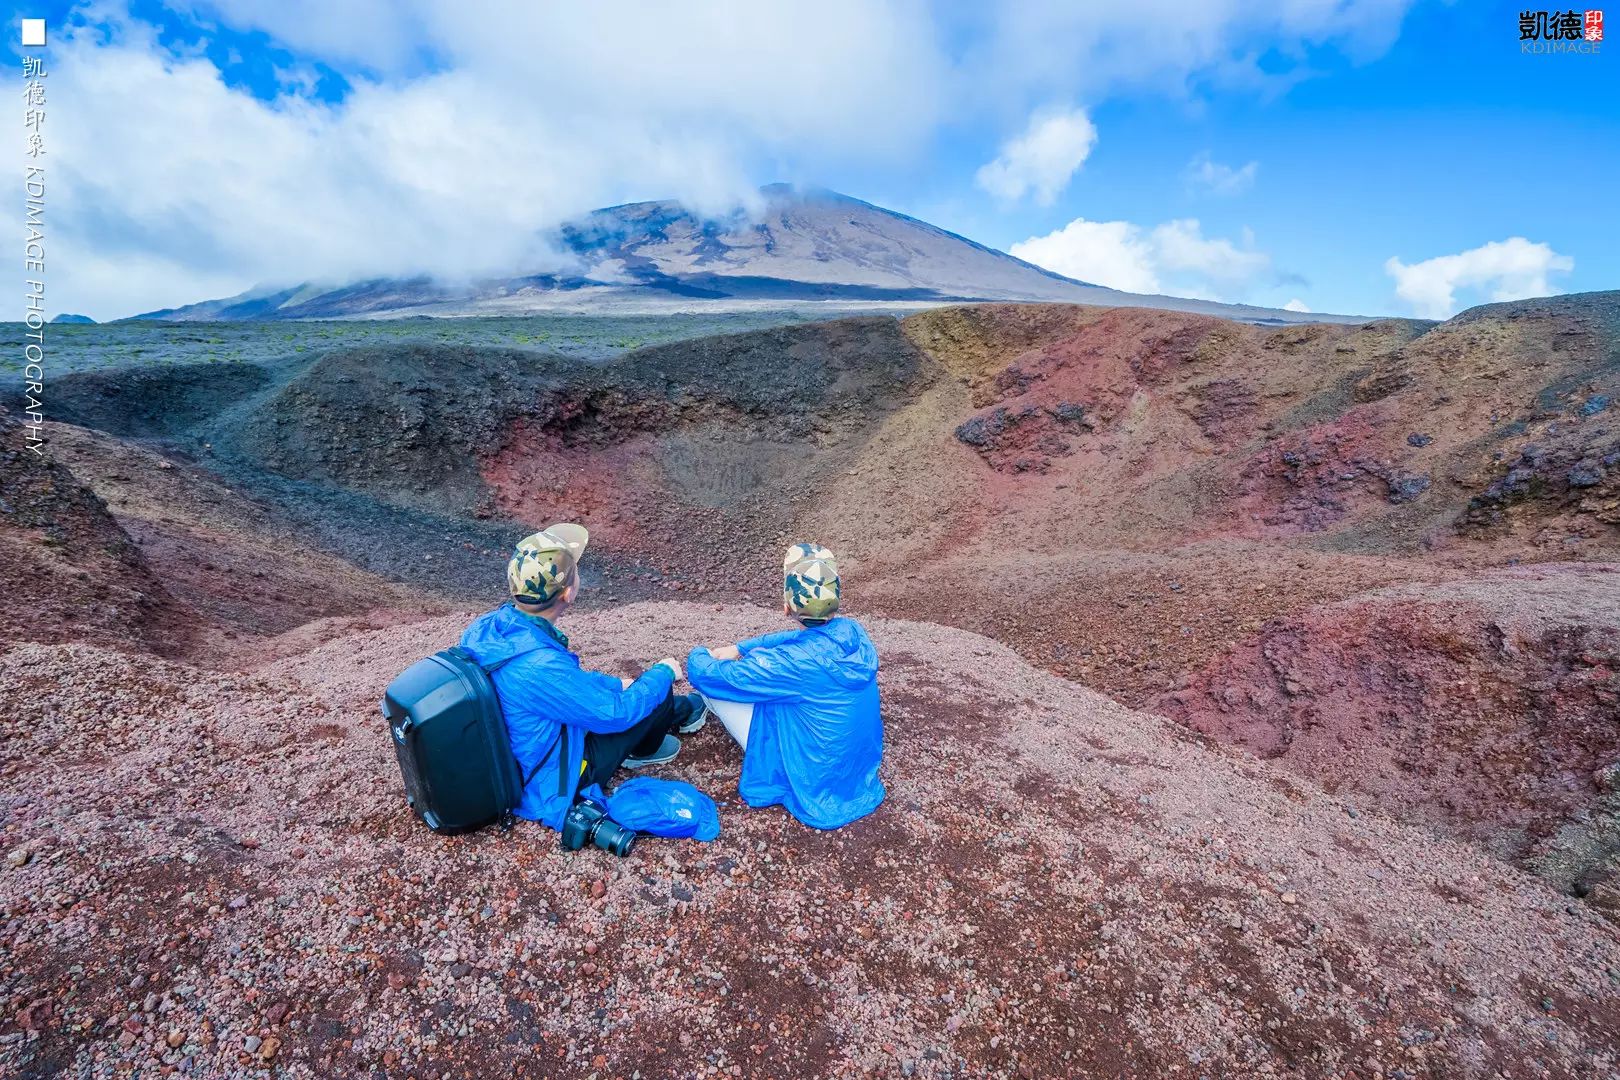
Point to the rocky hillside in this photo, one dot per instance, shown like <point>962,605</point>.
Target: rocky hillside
<point>1484,708</point>
<point>1056,887</point>
<point>1363,575</point>
<point>67,560</point>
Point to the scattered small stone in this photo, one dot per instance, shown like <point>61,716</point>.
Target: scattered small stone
<point>251,1044</point>
<point>18,857</point>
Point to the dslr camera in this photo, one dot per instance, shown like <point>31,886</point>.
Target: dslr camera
<point>588,823</point>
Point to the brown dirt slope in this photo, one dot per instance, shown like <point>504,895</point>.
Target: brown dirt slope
<point>413,424</point>
<point>232,575</point>
<point>1484,707</point>
<point>217,869</point>
<point>68,571</point>
<point>1127,497</point>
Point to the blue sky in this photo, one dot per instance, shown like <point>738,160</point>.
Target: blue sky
<point>1371,157</point>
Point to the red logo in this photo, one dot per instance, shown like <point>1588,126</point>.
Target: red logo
<point>1594,26</point>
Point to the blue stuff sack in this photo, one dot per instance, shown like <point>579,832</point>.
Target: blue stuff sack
<point>667,808</point>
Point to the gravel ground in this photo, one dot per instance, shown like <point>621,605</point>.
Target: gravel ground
<point>213,873</point>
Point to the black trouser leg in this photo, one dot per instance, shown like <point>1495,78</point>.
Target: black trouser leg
<point>605,753</point>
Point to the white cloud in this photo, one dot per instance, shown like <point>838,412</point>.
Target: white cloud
<point>1510,269</point>
<point>1174,258</point>
<point>1111,253</point>
<point>1218,179</point>
<point>1182,248</point>
<point>534,118</point>
<point>1295,304</point>
<point>470,128</point>
<point>1043,159</point>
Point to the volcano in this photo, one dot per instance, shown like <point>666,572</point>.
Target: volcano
<point>800,247</point>
<point>1249,698</point>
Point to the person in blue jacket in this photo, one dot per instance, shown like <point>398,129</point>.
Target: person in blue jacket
<point>802,703</point>
<point>570,728</point>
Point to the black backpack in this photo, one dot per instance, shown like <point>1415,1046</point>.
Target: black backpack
<point>451,742</point>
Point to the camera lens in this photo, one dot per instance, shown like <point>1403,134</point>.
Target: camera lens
<point>609,835</point>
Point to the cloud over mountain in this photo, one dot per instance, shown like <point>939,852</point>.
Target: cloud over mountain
<point>1041,161</point>
<point>1174,257</point>
<point>1511,269</point>
<point>419,137</point>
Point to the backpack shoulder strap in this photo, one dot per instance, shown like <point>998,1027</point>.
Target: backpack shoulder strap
<point>462,653</point>
<point>562,764</point>
<point>560,744</point>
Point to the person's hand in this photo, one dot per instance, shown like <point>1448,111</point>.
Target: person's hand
<point>673,665</point>
<point>725,652</point>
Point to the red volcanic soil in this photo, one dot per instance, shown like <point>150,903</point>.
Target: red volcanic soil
<point>1311,480</point>
<point>1132,498</point>
<point>67,562</point>
<point>211,574</point>
<point>1484,708</point>
<point>1367,572</point>
<point>214,872</point>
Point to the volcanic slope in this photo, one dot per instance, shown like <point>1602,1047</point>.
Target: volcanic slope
<point>1128,497</point>
<point>1214,474</point>
<point>1484,708</point>
<point>128,544</point>
<point>67,563</point>
<point>230,882</point>
<point>805,251</point>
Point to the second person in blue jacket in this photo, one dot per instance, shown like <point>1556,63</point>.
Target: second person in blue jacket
<point>802,703</point>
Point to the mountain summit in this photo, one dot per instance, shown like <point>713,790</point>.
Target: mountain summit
<point>803,246</point>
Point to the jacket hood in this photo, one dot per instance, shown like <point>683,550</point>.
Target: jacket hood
<point>856,662</point>
<point>504,633</point>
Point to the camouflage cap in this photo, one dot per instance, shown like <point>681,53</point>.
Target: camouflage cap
<point>810,581</point>
<point>544,563</point>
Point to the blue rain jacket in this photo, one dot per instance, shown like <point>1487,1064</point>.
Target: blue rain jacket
<point>659,808</point>
<point>817,733</point>
<point>544,692</point>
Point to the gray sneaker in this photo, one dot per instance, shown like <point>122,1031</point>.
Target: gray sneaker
<point>665,753</point>
<point>699,717</point>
